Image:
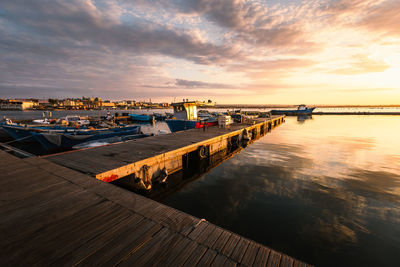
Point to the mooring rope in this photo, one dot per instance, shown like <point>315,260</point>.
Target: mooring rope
<point>16,140</point>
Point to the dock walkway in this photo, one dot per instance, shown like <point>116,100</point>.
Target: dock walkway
<point>146,160</point>
<point>52,215</point>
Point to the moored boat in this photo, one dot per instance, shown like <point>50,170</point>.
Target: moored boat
<point>110,140</point>
<point>141,117</point>
<point>4,135</point>
<point>76,120</point>
<point>301,109</point>
<point>186,117</point>
<point>22,133</point>
<point>51,141</point>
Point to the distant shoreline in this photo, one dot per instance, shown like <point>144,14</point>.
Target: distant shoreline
<point>285,106</point>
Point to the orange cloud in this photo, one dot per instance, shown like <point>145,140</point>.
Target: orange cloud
<point>384,18</point>
<point>362,64</point>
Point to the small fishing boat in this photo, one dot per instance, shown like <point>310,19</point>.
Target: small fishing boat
<point>186,117</point>
<point>41,121</point>
<point>4,135</point>
<point>76,120</point>
<point>159,117</point>
<point>57,141</point>
<point>110,140</point>
<point>22,133</point>
<point>301,109</point>
<point>141,117</point>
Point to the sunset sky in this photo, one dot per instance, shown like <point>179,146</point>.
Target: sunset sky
<point>230,51</point>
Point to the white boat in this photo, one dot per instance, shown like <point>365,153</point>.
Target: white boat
<point>76,120</point>
<point>41,121</point>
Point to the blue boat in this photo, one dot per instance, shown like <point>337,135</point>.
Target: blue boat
<point>62,141</point>
<point>23,133</point>
<point>301,110</point>
<point>181,125</point>
<point>186,117</point>
<point>141,117</point>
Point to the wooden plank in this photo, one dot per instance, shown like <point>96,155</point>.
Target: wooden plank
<point>198,230</point>
<point>299,264</point>
<point>230,245</point>
<point>189,248</point>
<point>221,241</point>
<point>16,195</point>
<point>56,240</point>
<point>213,237</point>
<point>67,174</point>
<point>33,218</point>
<point>274,259</point>
<point>286,261</point>
<point>206,233</point>
<point>157,245</point>
<point>207,258</point>
<point>250,255</point>
<point>195,256</point>
<point>229,263</point>
<point>160,251</point>
<point>129,239</point>
<point>183,222</point>
<point>92,246</point>
<point>240,249</point>
<point>171,254</point>
<point>219,261</point>
<point>262,256</point>
<point>36,199</point>
<point>127,199</point>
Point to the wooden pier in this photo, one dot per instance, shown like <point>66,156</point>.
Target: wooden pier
<point>149,160</point>
<point>52,215</point>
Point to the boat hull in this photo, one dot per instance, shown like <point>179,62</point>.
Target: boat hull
<point>181,125</point>
<point>293,112</point>
<point>140,117</point>
<point>62,141</point>
<point>108,141</point>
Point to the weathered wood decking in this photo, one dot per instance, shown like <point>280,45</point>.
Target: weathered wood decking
<point>148,158</point>
<point>52,215</point>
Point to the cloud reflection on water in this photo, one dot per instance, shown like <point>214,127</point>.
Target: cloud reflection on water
<point>317,191</point>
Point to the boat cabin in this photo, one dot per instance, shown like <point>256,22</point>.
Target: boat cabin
<point>185,110</point>
<point>302,107</point>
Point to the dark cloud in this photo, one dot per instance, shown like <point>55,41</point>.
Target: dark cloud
<point>198,84</point>
<point>9,90</point>
<point>82,24</point>
<point>250,20</point>
<point>188,84</point>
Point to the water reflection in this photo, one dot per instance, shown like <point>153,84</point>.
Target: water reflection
<point>326,191</point>
<point>303,118</point>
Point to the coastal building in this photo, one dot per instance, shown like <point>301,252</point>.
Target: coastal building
<point>16,104</point>
<point>108,104</point>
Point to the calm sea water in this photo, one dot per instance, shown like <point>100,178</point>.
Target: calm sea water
<point>325,190</point>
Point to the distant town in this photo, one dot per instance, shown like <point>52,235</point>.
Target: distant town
<point>96,103</point>
<point>84,103</point>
